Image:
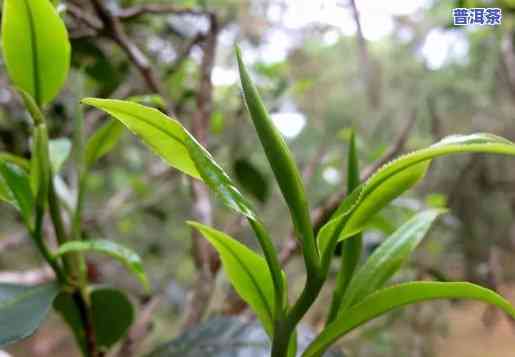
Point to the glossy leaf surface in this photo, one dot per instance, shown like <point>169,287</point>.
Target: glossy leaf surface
<point>386,260</point>
<point>397,296</point>
<point>164,135</point>
<point>280,159</point>
<point>401,174</point>
<point>247,272</point>
<point>36,49</point>
<point>23,309</point>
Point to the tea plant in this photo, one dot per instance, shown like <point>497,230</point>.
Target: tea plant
<point>36,52</point>
<point>360,295</point>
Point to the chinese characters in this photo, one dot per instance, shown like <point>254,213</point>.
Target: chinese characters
<point>477,16</point>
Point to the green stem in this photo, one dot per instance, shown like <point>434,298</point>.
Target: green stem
<point>273,264</point>
<point>37,236</point>
<point>351,254</point>
<point>285,329</point>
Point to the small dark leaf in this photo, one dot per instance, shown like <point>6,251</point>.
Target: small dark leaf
<point>112,315</point>
<point>251,179</point>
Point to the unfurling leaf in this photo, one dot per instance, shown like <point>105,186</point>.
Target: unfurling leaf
<point>401,174</point>
<point>247,271</point>
<point>397,296</point>
<point>23,309</point>
<point>283,165</point>
<point>124,255</point>
<point>35,47</point>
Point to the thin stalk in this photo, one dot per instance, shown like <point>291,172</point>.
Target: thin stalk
<point>351,248</point>
<point>273,263</point>
<point>351,254</point>
<point>284,330</point>
<point>37,237</point>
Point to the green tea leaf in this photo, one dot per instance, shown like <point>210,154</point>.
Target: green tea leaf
<point>179,148</point>
<point>59,150</point>
<point>35,47</point>
<point>23,309</point>
<point>124,255</point>
<point>217,180</point>
<point>388,258</point>
<point>401,174</point>
<point>394,297</point>
<point>164,135</point>
<point>247,271</point>
<point>22,162</point>
<point>18,184</point>
<point>102,141</point>
<point>281,161</point>
<point>112,315</point>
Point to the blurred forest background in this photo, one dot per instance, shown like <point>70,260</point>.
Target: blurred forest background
<point>398,73</point>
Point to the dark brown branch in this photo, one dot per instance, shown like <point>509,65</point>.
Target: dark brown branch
<point>113,28</point>
<point>158,9</point>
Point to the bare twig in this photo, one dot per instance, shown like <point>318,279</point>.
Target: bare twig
<point>158,9</point>
<point>366,63</point>
<point>113,28</point>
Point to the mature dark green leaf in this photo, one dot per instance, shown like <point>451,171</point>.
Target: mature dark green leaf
<point>112,315</point>
<point>394,297</point>
<point>164,135</point>
<point>102,141</point>
<point>227,337</point>
<point>401,174</point>
<point>282,163</point>
<point>251,179</point>
<point>23,309</point>
<point>20,192</point>
<point>59,150</point>
<point>124,255</point>
<point>388,258</point>
<point>35,47</point>
<point>247,271</point>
